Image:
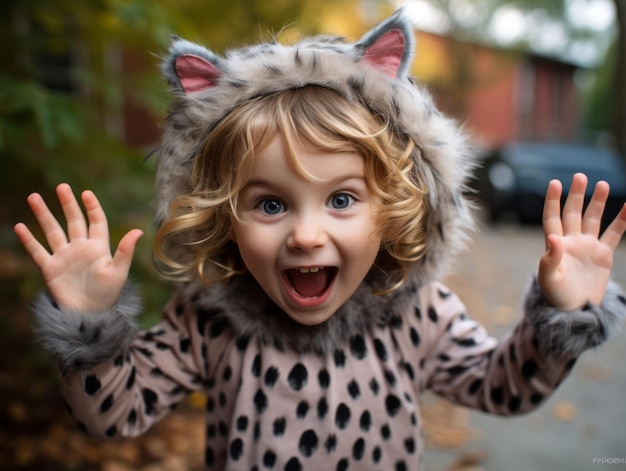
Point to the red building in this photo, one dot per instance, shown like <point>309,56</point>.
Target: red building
<point>501,95</point>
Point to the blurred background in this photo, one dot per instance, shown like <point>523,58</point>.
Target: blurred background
<point>539,84</point>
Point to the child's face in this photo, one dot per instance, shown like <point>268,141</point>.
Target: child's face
<point>308,243</point>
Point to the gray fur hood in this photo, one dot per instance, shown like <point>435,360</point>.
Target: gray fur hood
<point>373,71</point>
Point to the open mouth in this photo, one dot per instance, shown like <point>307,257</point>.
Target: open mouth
<point>311,282</point>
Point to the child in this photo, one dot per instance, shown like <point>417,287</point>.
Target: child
<point>308,198</point>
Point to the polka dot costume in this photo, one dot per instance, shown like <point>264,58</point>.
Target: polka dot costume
<point>343,394</point>
<point>354,408</point>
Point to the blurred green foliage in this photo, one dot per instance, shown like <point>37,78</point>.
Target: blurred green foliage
<point>63,89</point>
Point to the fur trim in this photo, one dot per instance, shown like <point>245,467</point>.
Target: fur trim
<point>83,339</point>
<point>570,333</point>
<point>218,84</point>
<point>254,314</point>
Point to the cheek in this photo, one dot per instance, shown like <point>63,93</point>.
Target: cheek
<point>361,247</point>
<point>366,233</point>
<point>242,233</point>
<point>368,252</point>
<point>256,250</point>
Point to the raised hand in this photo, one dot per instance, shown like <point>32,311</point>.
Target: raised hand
<point>79,271</point>
<point>576,266</point>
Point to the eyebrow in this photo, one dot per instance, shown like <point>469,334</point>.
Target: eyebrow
<point>333,181</point>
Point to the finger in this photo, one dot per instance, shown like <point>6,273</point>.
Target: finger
<point>37,252</point>
<point>52,230</point>
<point>614,232</point>
<point>552,210</point>
<point>592,220</point>
<point>573,208</point>
<point>76,224</point>
<point>98,225</point>
<point>125,251</point>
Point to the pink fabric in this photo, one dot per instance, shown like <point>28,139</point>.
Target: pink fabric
<point>195,73</point>
<point>357,406</point>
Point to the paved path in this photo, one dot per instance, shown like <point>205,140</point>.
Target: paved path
<point>583,425</point>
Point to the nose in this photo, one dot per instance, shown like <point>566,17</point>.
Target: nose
<point>307,232</point>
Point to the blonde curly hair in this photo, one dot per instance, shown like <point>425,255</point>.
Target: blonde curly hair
<point>195,242</point>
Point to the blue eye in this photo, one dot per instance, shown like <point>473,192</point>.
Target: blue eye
<point>341,201</point>
<point>271,206</point>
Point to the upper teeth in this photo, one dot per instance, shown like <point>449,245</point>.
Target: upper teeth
<point>310,270</point>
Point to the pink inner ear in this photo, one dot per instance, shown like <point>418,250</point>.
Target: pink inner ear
<point>386,53</point>
<point>195,73</point>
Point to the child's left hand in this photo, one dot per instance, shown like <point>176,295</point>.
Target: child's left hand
<point>576,267</point>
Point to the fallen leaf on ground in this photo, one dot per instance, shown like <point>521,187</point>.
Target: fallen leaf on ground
<point>469,461</point>
<point>564,411</point>
<point>446,426</point>
<point>596,374</point>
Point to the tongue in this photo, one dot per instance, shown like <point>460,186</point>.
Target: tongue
<point>309,285</point>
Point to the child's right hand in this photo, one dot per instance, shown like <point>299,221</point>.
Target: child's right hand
<point>80,273</point>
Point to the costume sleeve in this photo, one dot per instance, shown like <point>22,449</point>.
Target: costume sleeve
<point>517,373</point>
<point>116,380</point>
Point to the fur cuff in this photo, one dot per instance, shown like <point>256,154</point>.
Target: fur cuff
<point>83,339</point>
<point>570,333</point>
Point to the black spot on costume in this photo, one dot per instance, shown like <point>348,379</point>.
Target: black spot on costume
<point>283,396</point>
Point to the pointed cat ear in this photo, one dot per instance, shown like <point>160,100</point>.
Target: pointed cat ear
<point>386,53</point>
<point>196,73</point>
<point>389,47</point>
<point>190,67</point>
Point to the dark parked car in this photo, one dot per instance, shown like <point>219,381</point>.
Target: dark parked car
<point>513,179</point>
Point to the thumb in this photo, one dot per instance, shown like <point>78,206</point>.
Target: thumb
<point>126,249</point>
<point>551,259</point>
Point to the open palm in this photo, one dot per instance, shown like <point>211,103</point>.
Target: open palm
<point>79,271</point>
<point>577,264</point>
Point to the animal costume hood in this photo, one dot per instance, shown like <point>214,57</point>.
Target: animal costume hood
<point>374,72</point>
<point>285,396</point>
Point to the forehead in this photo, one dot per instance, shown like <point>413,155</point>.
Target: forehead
<point>279,158</point>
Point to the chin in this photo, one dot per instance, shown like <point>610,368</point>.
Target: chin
<point>310,318</point>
